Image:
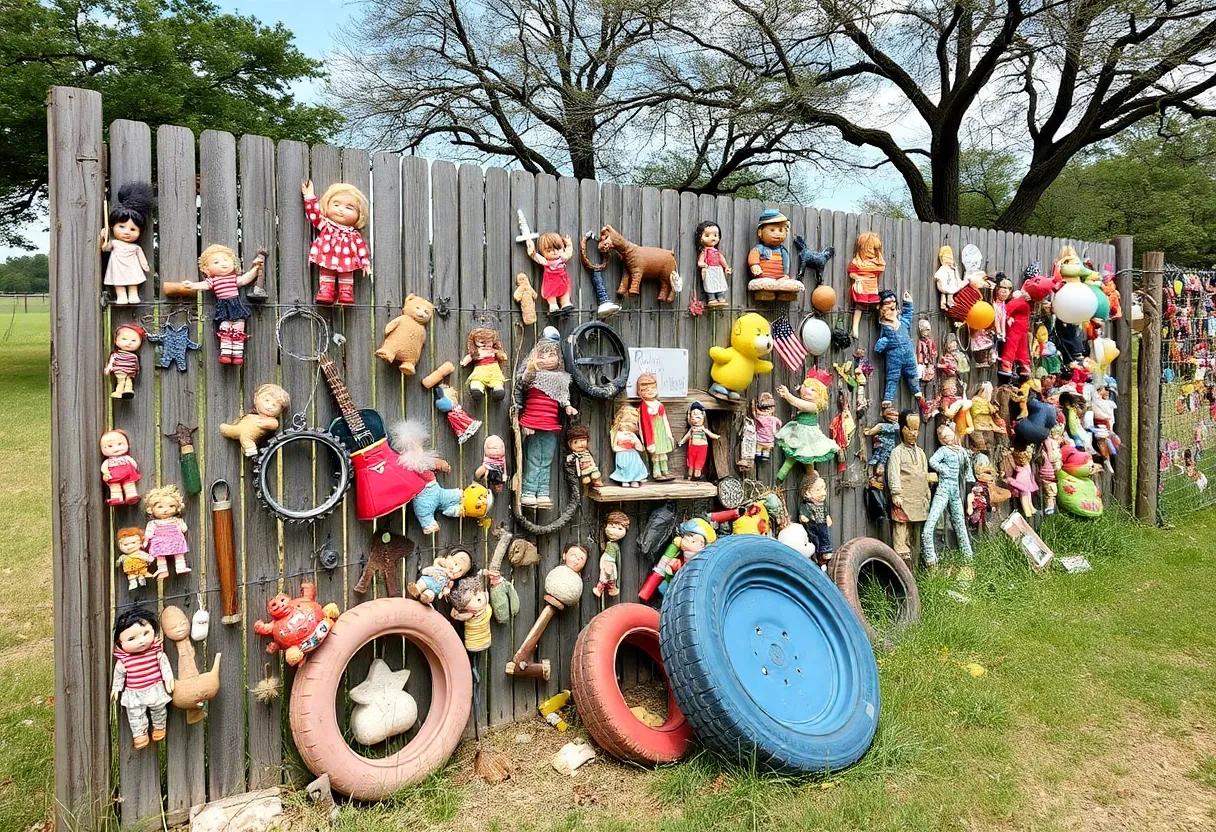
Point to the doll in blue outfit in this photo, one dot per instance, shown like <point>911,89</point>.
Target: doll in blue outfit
<point>949,461</point>
<point>895,341</point>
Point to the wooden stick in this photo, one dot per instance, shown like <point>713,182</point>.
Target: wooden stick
<point>519,664</point>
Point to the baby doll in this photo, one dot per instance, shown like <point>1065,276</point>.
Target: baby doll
<point>697,437</point>
<point>656,430</point>
<point>463,425</point>
<point>616,526</point>
<point>800,439</point>
<point>578,437</point>
<point>166,531</point>
<point>885,434</point>
<point>128,266</point>
<point>628,468</point>
<point>546,393</point>
<point>553,251</point>
<point>926,351</point>
<point>813,514</point>
<point>142,674</point>
<point>123,363</point>
<point>435,581</point>
<point>471,604</point>
<point>220,266</point>
<point>269,402</point>
<point>713,266</point>
<point>339,250</point>
<point>134,560</point>
<point>119,471</point>
<point>895,341</point>
<point>865,269</point>
<point>493,462</point>
<point>766,424</point>
<point>483,349</point>
<point>417,456</point>
<point>525,296</point>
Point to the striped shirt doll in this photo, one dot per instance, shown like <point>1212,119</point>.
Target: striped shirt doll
<point>219,265</point>
<point>143,678</point>
<point>123,363</point>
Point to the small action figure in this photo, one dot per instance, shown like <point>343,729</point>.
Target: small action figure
<point>578,438</point>
<point>435,581</point>
<point>813,514</point>
<point>339,249</point>
<point>616,526</point>
<point>142,674</point>
<point>123,363</point>
<point>120,471</point>
<point>269,402</point>
<point>697,437</point>
<point>656,430</point>
<point>766,424</point>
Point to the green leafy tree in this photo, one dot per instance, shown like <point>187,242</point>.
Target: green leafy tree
<point>157,61</point>
<point>30,274</point>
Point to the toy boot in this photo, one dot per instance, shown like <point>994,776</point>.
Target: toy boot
<point>326,293</point>
<point>346,291</point>
<point>179,564</point>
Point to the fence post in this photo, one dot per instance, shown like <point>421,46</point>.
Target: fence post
<point>78,521</point>
<point>1149,439</point>
<point>1122,334</point>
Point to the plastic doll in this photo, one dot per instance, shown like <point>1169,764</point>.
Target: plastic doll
<point>166,531</point>
<point>885,434</point>
<point>1047,468</point>
<point>865,270</point>
<point>134,560</point>
<point>219,265</point>
<point>713,266</point>
<point>471,604</point>
<point>525,296</point>
<point>339,249</point>
<point>1020,480</point>
<point>984,428</point>
<point>269,402</point>
<point>948,461</point>
<point>553,251</point>
<point>926,351</point>
<point>656,430</point>
<point>435,581</point>
<point>493,466</point>
<point>128,266</point>
<point>813,514</point>
<point>956,407</point>
<point>1044,351</point>
<point>616,526</point>
<point>895,342</point>
<point>119,471</point>
<point>908,480</point>
<point>982,345</point>
<point>143,677</point>
<point>578,437</point>
<point>694,536</point>
<point>766,424</point>
<point>546,392</point>
<point>417,456</point>
<point>979,498</point>
<point>463,425</point>
<point>697,437</point>
<point>1102,410</point>
<point>800,439</point>
<point>768,259</point>
<point>946,277</point>
<point>483,349</point>
<point>123,363</point>
<point>1000,296</point>
<point>628,468</point>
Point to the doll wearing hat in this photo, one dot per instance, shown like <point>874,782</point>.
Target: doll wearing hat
<point>767,260</point>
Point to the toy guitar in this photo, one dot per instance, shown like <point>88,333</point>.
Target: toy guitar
<point>381,485</point>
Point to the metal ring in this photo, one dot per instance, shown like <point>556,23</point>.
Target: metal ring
<point>599,385</point>
<point>261,473</point>
<point>312,316</point>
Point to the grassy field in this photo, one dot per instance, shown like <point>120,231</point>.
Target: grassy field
<point>1096,708</point>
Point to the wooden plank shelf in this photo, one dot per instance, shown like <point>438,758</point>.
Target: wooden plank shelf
<point>702,396</point>
<point>675,490</point>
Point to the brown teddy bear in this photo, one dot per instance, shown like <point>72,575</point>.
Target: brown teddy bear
<point>405,335</point>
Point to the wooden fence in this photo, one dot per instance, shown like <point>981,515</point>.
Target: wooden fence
<point>442,231</point>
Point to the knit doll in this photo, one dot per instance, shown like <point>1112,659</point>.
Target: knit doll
<point>143,677</point>
<point>813,514</point>
<point>127,266</point>
<point>554,251</point>
<point>339,249</point>
<point>123,363</point>
<point>711,262</point>
<point>697,437</point>
<point>628,468</point>
<point>578,438</point>
<point>656,430</point>
<point>219,265</point>
<point>895,342</point>
<point>865,270</point>
<point>766,424</point>
<point>166,531</point>
<point>483,349</point>
<point>119,471</point>
<point>134,560</point>
<point>616,526</point>
<point>493,466</point>
<point>800,439</point>
<point>544,390</point>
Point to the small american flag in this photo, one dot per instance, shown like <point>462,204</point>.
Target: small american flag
<point>788,345</point>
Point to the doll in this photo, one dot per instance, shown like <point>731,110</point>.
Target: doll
<point>435,581</point>
<point>1102,412</point>
<point>984,427</point>
<point>123,363</point>
<point>768,258</point>
<point>1015,355</point>
<point>926,351</point>
<point>1048,465</point>
<point>483,349</point>
<point>119,471</point>
<point>974,282</point>
<point>628,468</point>
<point>220,266</point>
<point>979,498</point>
<point>553,251</point>
<point>1000,296</point>
<point>545,389</point>
<point>525,296</point>
<point>800,439</point>
<point>134,560</point>
<point>982,345</point>
<point>166,531</point>
<point>128,266</point>
<point>908,480</point>
<point>895,342</point>
<point>1045,352</point>
<point>713,266</point>
<point>417,456</point>
<point>656,430</point>
<point>565,581</point>
<point>766,424</point>
<point>885,435</point>
<point>616,526</point>
<point>471,604</point>
<point>952,360</point>
<point>956,408</point>
<point>813,514</point>
<point>697,437</point>
<point>948,461</point>
<point>1074,405</point>
<point>463,425</point>
<point>269,402</point>
<point>142,674</point>
<point>578,437</point>
<point>865,270</point>
<point>694,536</point>
<point>493,466</point>
<point>339,250</point>
<point>946,277</point>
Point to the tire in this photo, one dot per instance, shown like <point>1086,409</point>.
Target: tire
<point>767,660</point>
<point>602,706</point>
<point>314,725</point>
<point>869,554</point>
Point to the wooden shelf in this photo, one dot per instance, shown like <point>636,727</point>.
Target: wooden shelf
<point>702,396</point>
<point>673,490</point>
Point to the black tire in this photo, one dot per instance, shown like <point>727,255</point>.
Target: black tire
<point>878,561</point>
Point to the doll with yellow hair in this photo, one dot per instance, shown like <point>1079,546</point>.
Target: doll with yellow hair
<point>801,440</point>
<point>339,250</point>
<point>219,266</point>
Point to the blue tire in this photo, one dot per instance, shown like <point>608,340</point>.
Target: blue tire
<point>766,658</point>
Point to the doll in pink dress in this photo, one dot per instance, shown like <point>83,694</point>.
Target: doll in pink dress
<point>120,471</point>
<point>554,251</point>
<point>166,531</point>
<point>1021,481</point>
<point>339,250</point>
<point>767,424</point>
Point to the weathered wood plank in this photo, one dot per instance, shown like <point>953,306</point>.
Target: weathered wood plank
<point>1121,257</point>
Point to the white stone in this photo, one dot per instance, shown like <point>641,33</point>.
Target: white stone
<point>250,812</point>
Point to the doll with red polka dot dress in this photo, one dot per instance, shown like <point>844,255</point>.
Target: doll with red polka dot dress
<point>339,249</point>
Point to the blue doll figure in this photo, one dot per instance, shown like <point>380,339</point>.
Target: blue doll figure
<point>949,461</point>
<point>895,340</point>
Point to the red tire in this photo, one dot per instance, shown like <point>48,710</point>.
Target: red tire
<point>314,724</point>
<point>602,706</point>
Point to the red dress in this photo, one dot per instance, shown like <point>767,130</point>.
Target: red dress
<point>556,281</point>
<point>338,248</point>
<point>122,470</point>
<point>1017,335</point>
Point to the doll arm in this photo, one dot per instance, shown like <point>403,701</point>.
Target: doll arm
<point>720,355</point>
<point>906,316</point>
<point>103,238</point>
<point>753,261</point>
<point>894,482</point>
<point>181,524</point>
<point>880,346</point>
<point>312,209</point>
<point>701,264</point>
<point>441,466</point>
<point>568,251</point>
<point>143,260</point>
<point>249,276</point>
<point>464,362</point>
<point>710,433</point>
<point>120,680</point>
<point>166,672</point>
<point>196,285</point>
<point>872,431</point>
<point>939,455</point>
<point>150,529</point>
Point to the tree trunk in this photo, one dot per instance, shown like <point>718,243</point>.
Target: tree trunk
<point>580,141</point>
<point>943,173</point>
<point>1043,171</point>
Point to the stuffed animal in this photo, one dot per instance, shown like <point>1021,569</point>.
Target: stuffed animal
<point>1079,494</point>
<point>735,366</point>
<point>475,502</point>
<point>794,535</point>
<point>382,707</point>
<point>405,335</point>
<point>297,625</point>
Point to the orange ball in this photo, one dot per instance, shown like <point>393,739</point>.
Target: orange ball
<point>823,298</point>
<point>981,315</point>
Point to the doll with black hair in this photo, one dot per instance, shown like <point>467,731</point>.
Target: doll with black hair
<point>142,674</point>
<point>129,216</point>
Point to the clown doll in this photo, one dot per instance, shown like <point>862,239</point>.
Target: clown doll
<point>339,249</point>
<point>219,265</point>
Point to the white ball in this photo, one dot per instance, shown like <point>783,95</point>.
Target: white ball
<point>816,336</point>
<point>1074,303</point>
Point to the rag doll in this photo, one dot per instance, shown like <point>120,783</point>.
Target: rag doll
<point>143,677</point>
<point>616,526</point>
<point>544,390</point>
<point>339,249</point>
<point>483,349</point>
<point>578,438</point>
<point>895,342</point>
<point>766,424</point>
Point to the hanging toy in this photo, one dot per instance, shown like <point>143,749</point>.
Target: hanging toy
<point>339,249</point>
<point>563,588</point>
<point>405,335</point>
<point>127,267</point>
<point>768,260</point>
<point>119,471</point>
<point>175,343</point>
<point>220,265</point>
<point>192,481</point>
<point>735,366</point>
<point>865,270</point>
<point>713,265</point>
<point>192,690</point>
<point>297,625</point>
<point>142,675</point>
<point>123,363</point>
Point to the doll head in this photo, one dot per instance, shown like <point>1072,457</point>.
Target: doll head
<point>578,437</point>
<point>695,535</point>
<point>616,525</point>
<point>626,419</point>
<point>135,630</point>
<point>945,256</point>
<point>888,307</point>
<point>772,228</point>
<point>174,623</point>
<point>164,501</point>
<point>814,487</point>
<point>924,328</point>
<point>129,337</point>
<point>946,435</point>
<point>764,404</point>
<point>984,391</point>
<point>575,557</point>
<point>950,386</point>
<point>217,260</point>
<point>130,540</point>
<point>1004,288</point>
<point>951,343</point>
<point>131,211</point>
<point>456,565</point>
<point>814,391</point>
<point>696,414</point>
<point>494,447</point>
<point>270,400</point>
<point>550,244</point>
<point>890,414</point>
<point>480,339</point>
<point>869,249</point>
<point>345,205</point>
<point>708,235</point>
<point>469,596</point>
<point>115,443</point>
<point>909,426</point>
<point>648,386</point>
<point>547,354</point>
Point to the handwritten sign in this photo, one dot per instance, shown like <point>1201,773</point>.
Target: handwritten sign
<point>670,367</point>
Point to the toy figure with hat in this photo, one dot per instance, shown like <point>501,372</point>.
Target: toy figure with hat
<point>695,535</point>
<point>767,260</point>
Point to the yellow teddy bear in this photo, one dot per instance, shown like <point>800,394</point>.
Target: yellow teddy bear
<point>735,366</point>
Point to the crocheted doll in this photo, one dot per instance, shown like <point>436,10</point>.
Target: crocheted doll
<point>143,677</point>
<point>339,249</point>
<point>127,266</point>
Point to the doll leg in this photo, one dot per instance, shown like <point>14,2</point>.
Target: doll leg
<point>132,294</point>
<point>225,334</point>
<point>960,527</point>
<point>786,467</point>
<point>128,387</point>
<point>476,390</point>
<point>325,294</point>
<point>133,582</point>
<point>180,567</point>
<point>237,342</point>
<point>160,718</point>
<point>138,717</point>
<point>936,509</point>
<point>856,320</point>
<point>1049,497</point>
<point>538,461</point>
<point>424,509</point>
<point>901,541</point>
<point>346,288</point>
<point>130,494</point>
<point>115,498</point>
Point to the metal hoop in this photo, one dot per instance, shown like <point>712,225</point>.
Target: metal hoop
<point>310,315</point>
<point>265,465</point>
